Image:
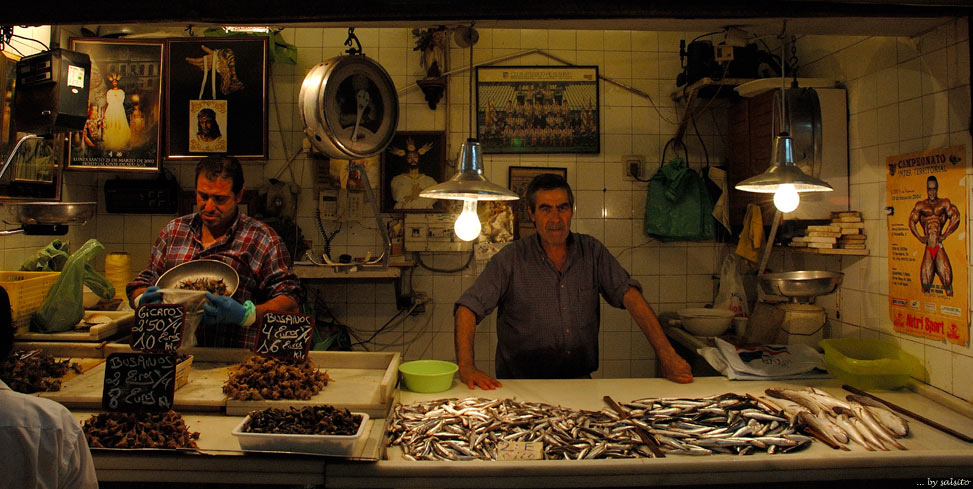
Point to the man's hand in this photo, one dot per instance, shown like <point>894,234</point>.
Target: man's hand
<point>472,376</point>
<point>676,369</point>
<point>223,310</point>
<point>152,295</point>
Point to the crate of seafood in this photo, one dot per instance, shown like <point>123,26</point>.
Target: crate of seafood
<point>321,430</point>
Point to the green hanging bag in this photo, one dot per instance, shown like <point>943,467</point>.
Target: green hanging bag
<point>678,207</point>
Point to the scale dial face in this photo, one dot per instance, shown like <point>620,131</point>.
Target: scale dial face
<point>350,107</point>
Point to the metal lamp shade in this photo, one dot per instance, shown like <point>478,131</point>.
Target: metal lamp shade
<point>783,171</point>
<point>469,182</point>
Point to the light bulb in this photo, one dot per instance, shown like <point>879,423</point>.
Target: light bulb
<point>467,225</point>
<point>786,198</point>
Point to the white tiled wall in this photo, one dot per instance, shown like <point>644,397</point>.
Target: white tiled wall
<point>673,274</point>
<point>911,94</point>
<point>904,95</point>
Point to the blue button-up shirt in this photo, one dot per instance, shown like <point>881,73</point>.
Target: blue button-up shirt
<point>548,320</point>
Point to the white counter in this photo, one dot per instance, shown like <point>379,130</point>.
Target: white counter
<point>931,454</point>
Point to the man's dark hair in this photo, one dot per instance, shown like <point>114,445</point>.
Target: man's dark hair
<point>546,181</point>
<point>211,114</point>
<point>932,178</point>
<point>6,326</point>
<point>213,167</point>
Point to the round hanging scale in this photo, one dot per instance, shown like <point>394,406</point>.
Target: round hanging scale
<point>349,107</point>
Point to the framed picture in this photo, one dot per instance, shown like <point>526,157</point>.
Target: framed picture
<point>412,162</point>
<point>537,109</point>
<point>216,96</point>
<point>123,129</point>
<point>518,177</point>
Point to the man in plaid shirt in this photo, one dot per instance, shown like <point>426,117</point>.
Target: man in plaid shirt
<point>218,231</point>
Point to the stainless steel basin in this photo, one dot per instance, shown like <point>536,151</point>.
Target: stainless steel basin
<point>805,283</point>
<point>46,213</point>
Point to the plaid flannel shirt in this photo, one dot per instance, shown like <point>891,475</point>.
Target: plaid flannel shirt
<point>251,247</point>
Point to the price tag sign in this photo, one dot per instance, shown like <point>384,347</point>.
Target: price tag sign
<point>158,327</point>
<point>283,335</point>
<point>520,450</point>
<point>139,382</point>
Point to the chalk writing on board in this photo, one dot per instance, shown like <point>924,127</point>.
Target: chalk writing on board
<point>158,327</point>
<point>139,382</point>
<point>284,335</point>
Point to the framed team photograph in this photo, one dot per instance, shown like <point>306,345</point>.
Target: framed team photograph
<point>518,177</point>
<point>216,95</point>
<point>412,162</point>
<point>537,109</point>
<point>123,129</point>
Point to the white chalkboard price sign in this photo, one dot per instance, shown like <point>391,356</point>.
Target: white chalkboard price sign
<point>283,335</point>
<point>139,382</point>
<point>158,327</point>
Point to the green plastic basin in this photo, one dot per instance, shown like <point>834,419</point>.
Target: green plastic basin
<point>870,364</point>
<point>428,375</point>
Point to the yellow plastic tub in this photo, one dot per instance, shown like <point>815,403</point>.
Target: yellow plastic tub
<point>869,364</point>
<point>428,375</point>
<point>27,291</point>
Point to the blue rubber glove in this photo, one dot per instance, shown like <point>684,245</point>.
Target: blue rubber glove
<point>151,295</point>
<point>224,310</point>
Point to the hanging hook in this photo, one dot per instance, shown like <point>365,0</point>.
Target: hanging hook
<point>352,37</point>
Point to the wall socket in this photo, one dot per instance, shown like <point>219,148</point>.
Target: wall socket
<point>634,167</point>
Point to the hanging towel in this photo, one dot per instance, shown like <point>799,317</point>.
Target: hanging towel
<point>721,210</point>
<point>752,237</point>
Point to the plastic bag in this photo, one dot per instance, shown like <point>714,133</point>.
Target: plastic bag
<point>53,258</point>
<point>64,306</point>
<point>678,207</point>
<point>765,362</point>
<point>193,301</point>
<point>732,295</point>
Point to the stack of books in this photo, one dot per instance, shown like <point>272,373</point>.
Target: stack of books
<point>846,231</point>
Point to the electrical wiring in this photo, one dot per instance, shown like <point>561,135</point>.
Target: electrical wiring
<point>396,318</point>
<point>33,40</point>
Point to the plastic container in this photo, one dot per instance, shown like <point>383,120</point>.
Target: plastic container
<point>428,375</point>
<point>27,291</point>
<point>869,364</point>
<point>334,445</point>
<point>706,322</point>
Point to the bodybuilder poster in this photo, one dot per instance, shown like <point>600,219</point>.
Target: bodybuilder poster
<point>926,194</point>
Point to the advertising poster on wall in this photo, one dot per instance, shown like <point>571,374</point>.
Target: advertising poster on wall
<point>926,195</point>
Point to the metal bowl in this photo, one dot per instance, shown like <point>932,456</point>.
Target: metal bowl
<point>806,283</point>
<point>197,269</point>
<point>46,213</point>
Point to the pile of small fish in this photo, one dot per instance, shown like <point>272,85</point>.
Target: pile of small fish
<point>472,428</point>
<point>859,419</point>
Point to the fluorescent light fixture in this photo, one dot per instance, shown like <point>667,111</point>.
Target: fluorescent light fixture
<point>247,28</point>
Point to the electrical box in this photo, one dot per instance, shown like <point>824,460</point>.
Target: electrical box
<point>432,232</point>
<point>52,91</point>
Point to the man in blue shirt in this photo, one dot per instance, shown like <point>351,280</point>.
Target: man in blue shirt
<point>547,288</point>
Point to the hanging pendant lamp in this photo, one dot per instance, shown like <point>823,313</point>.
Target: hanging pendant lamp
<point>784,179</point>
<point>469,184</point>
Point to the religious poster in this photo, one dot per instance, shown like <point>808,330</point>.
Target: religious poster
<point>926,195</point>
<point>122,131</point>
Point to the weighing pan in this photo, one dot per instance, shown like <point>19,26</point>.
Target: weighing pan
<point>197,269</point>
<point>807,283</point>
